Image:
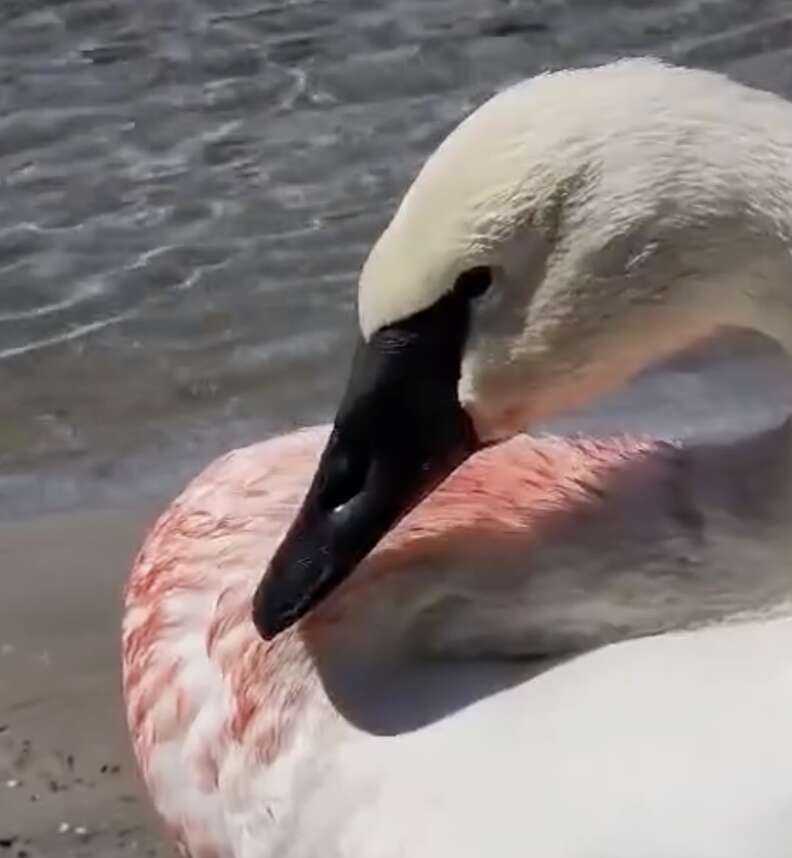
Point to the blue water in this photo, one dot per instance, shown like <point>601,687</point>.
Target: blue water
<point>189,188</point>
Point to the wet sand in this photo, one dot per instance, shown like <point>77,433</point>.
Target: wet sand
<point>67,784</point>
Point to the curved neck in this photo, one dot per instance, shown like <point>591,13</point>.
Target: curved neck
<point>532,551</point>
<point>572,546</point>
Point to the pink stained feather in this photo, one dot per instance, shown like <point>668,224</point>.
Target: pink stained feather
<point>204,695</point>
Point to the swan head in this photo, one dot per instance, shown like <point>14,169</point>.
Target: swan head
<point>482,306</point>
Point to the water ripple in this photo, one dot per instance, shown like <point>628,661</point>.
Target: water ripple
<point>63,337</point>
<point>189,187</point>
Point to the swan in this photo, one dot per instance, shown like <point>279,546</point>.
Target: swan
<point>467,641</point>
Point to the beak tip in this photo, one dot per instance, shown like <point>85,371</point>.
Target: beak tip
<point>269,617</point>
<point>287,592</point>
<point>267,631</point>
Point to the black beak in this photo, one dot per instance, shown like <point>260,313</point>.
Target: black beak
<point>399,432</point>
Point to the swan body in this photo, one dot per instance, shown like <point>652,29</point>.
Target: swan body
<point>389,723</point>
<point>399,681</point>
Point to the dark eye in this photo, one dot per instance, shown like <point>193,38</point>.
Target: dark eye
<point>474,282</point>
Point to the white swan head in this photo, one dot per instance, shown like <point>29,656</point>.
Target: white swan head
<point>565,234</point>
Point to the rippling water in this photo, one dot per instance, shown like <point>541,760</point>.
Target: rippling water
<point>190,186</point>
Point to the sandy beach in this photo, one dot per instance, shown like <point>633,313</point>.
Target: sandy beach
<point>67,784</point>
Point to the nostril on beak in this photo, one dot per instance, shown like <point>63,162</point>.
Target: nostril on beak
<point>343,477</point>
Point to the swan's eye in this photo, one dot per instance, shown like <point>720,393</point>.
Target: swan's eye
<point>474,282</point>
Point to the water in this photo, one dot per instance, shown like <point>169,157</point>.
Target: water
<point>189,188</point>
